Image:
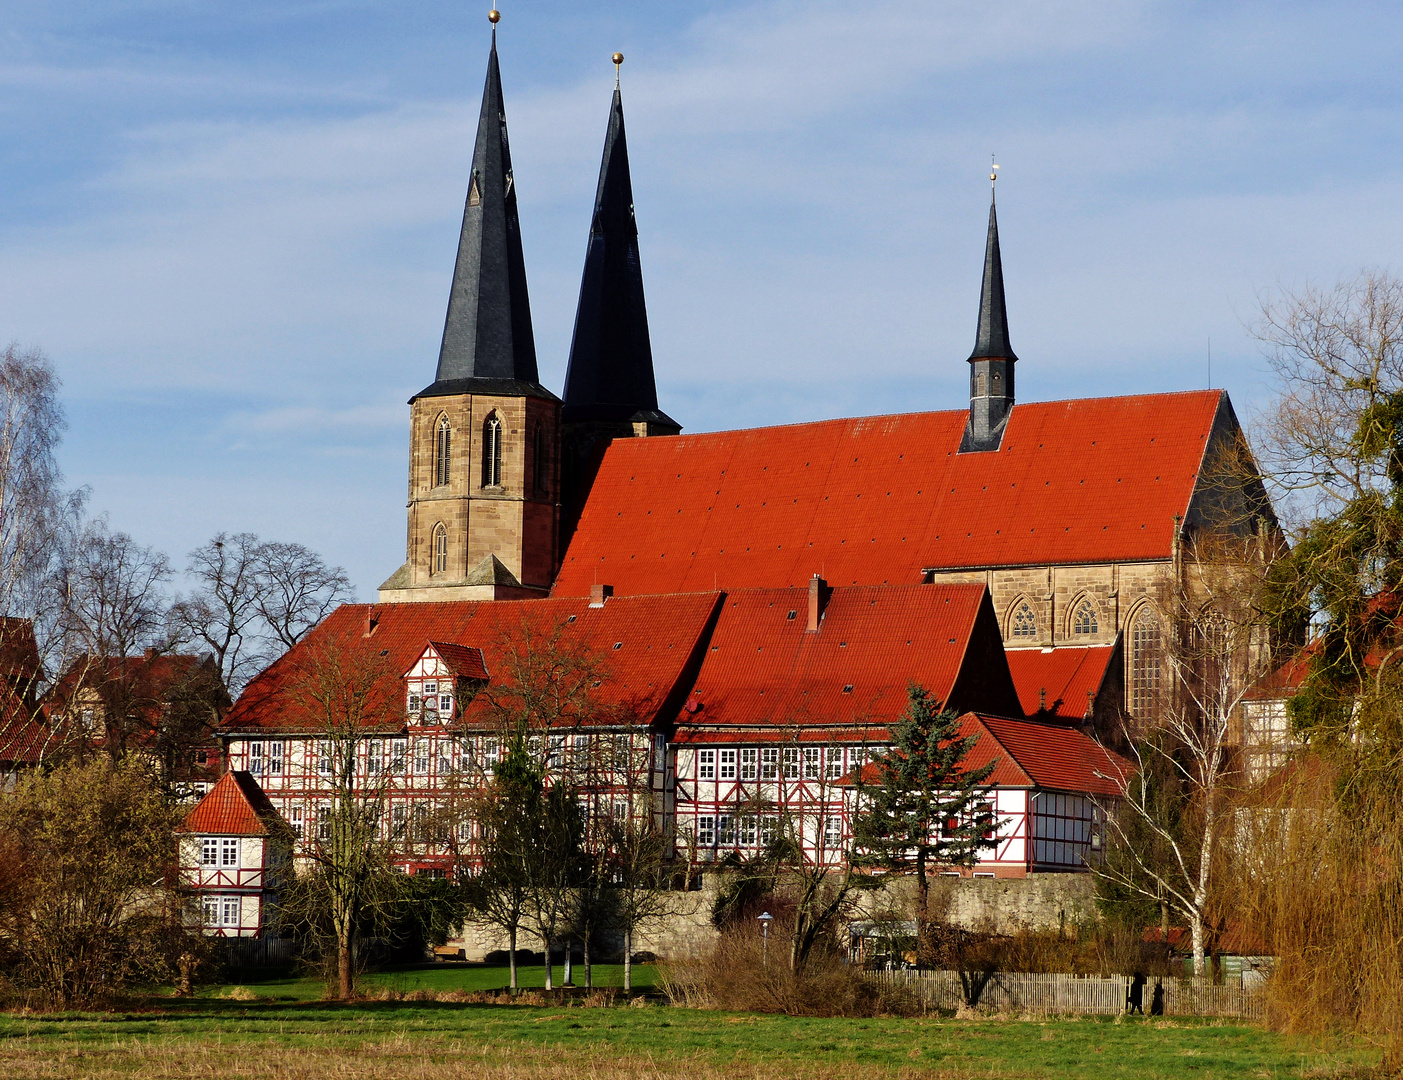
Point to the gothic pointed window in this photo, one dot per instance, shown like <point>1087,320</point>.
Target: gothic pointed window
<point>1084,621</point>
<point>1146,647</point>
<point>492,452</point>
<point>443,451</point>
<point>439,562</point>
<point>1024,623</point>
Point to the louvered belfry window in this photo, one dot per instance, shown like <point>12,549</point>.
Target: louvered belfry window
<point>492,452</point>
<point>443,451</point>
<point>440,556</point>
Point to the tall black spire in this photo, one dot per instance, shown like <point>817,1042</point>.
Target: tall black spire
<point>487,340</point>
<point>991,362</point>
<point>610,375</point>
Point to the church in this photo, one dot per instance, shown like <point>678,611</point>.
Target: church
<point>760,599</point>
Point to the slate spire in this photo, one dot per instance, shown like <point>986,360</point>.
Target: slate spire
<point>992,361</point>
<point>610,375</point>
<point>487,340</point>
<point>991,339</point>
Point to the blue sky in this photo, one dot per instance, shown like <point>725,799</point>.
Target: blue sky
<point>232,226</point>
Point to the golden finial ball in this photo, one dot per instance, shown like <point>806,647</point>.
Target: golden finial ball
<point>493,16</point>
<point>618,58</point>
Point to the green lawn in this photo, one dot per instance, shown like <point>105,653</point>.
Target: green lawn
<point>427,1040</point>
<point>439,977</point>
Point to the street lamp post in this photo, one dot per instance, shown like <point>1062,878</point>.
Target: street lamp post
<point>765,919</point>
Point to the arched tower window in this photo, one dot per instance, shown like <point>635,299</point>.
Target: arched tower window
<point>1146,648</point>
<point>1024,623</point>
<point>443,451</point>
<point>439,560</point>
<point>540,473</point>
<point>1084,620</point>
<point>492,452</point>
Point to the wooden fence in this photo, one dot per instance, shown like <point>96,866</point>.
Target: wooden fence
<point>259,952</point>
<point>1058,994</point>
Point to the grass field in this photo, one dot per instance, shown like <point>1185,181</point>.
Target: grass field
<point>439,977</point>
<point>292,1040</point>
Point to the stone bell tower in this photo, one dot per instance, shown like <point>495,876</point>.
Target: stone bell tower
<point>484,468</point>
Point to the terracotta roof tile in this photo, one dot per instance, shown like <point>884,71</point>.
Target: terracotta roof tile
<point>235,806</point>
<point>1059,679</point>
<point>645,641</point>
<point>879,499</point>
<point>763,668</point>
<point>465,661</point>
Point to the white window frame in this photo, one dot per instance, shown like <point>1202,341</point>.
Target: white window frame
<point>706,831</point>
<point>228,852</point>
<point>769,763</point>
<point>209,851</point>
<point>727,769</point>
<point>812,766</point>
<point>706,764</point>
<point>749,763</point>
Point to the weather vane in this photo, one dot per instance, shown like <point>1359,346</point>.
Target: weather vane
<point>993,170</point>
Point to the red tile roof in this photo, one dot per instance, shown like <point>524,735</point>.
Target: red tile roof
<point>465,661</point>
<point>19,651</point>
<point>26,735</point>
<point>1063,679</point>
<point>235,806</point>
<point>878,499</point>
<point>1028,754</point>
<point>763,668</point>
<point>646,642</point>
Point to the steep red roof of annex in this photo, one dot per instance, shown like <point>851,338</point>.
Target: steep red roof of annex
<point>1060,680</point>
<point>877,500</point>
<point>645,642</point>
<point>764,668</point>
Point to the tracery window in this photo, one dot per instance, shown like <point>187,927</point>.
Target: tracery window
<point>1025,623</point>
<point>492,452</point>
<point>443,451</point>
<point>440,549</point>
<point>1084,621</point>
<point>1145,660</point>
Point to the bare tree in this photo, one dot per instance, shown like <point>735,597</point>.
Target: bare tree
<point>345,691</point>
<point>1172,851</point>
<point>296,590</point>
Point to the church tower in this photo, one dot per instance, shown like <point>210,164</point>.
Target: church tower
<point>991,363</point>
<point>484,474</point>
<point>610,391</point>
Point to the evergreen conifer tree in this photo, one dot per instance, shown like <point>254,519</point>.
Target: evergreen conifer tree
<point>923,808</point>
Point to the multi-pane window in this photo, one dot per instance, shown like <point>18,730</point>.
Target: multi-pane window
<point>706,831</point>
<point>416,704</point>
<point>811,762</point>
<point>769,829</point>
<point>421,756</point>
<point>791,763</point>
<point>555,756</point>
<point>706,765</point>
<point>492,452</point>
<point>1024,623</point>
<point>1084,621</point>
<point>294,820</point>
<point>748,764</point>
<point>398,816</point>
<point>374,755</point>
<point>832,833</point>
<point>749,830</point>
<point>229,852</point>
<point>255,758</point>
<point>443,450</point>
<point>725,830</point>
<point>833,763</point>
<point>221,910</point>
<point>324,758</point>
<point>209,851</point>
<point>399,755</point>
<point>728,764</point>
<point>1145,663</point>
<point>324,822</point>
<point>769,763</point>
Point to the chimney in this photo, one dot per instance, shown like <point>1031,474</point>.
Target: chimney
<point>149,653</point>
<point>372,620</point>
<point>599,593</point>
<point>818,599</point>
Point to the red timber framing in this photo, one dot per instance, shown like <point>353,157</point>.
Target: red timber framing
<point>446,741</point>
<point>724,715</point>
<point>232,851</point>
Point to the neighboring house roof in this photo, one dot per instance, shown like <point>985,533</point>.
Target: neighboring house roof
<point>878,500</point>
<point>235,806</point>
<point>152,676</point>
<point>764,669</point>
<point>465,661</point>
<point>25,734</point>
<point>1064,680</point>
<point>1284,681</point>
<point>1029,754</point>
<point>646,642</point>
